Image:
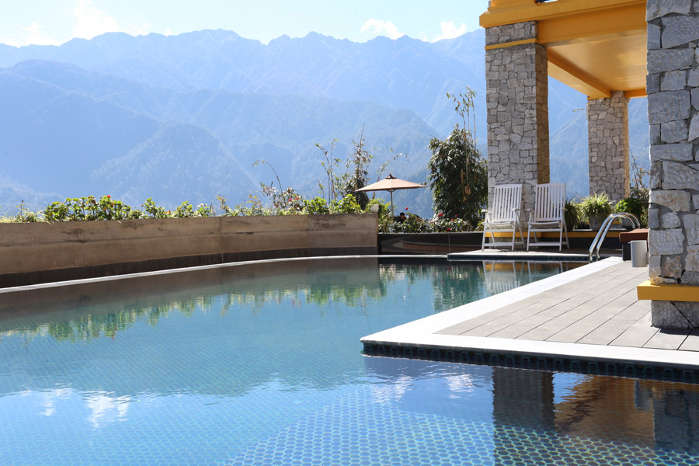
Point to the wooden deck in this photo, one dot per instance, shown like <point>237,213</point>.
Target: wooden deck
<point>601,309</point>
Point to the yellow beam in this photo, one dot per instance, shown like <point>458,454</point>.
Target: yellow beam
<point>684,293</point>
<point>503,12</point>
<point>629,19</point>
<point>568,73</point>
<point>635,93</point>
<point>510,44</point>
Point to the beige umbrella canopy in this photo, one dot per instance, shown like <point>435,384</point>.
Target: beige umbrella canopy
<point>390,184</point>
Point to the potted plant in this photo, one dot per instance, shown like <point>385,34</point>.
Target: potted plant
<point>571,215</point>
<point>596,208</point>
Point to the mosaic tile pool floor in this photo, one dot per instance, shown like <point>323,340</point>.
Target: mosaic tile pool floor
<point>263,365</point>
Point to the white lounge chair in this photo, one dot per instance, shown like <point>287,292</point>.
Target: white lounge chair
<point>548,215</point>
<point>501,276</point>
<point>503,216</point>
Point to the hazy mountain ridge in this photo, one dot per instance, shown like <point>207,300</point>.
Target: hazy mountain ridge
<point>97,107</point>
<point>231,131</point>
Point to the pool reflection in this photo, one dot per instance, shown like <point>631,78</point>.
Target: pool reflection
<point>543,417</point>
<point>216,363</point>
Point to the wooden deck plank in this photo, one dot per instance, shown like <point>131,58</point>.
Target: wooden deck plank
<point>556,325</point>
<point>666,340</point>
<point>527,322</point>
<point>692,342</point>
<point>636,335</point>
<point>602,309</point>
<point>615,327</point>
<point>579,331</point>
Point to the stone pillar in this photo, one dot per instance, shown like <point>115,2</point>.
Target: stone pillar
<point>517,101</point>
<point>608,142</point>
<point>673,100</point>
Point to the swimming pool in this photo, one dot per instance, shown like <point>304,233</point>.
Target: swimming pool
<point>263,364</point>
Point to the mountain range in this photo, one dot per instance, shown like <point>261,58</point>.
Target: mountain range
<point>185,117</point>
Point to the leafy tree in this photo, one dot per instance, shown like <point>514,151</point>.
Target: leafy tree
<point>358,171</point>
<point>333,190</point>
<point>457,174</point>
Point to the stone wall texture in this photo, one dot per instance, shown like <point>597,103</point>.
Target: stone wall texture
<point>673,103</point>
<point>608,142</point>
<point>517,104</point>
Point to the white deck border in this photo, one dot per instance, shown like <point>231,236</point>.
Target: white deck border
<point>423,332</point>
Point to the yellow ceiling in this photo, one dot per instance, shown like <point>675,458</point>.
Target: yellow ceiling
<point>594,46</point>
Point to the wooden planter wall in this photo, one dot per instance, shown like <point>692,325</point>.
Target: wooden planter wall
<point>41,252</point>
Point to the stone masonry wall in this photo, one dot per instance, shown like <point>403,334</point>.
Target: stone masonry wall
<point>517,103</point>
<point>673,103</point>
<point>608,142</point>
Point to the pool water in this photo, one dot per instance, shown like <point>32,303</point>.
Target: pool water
<point>263,364</point>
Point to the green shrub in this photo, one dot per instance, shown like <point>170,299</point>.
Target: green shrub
<point>412,224</point>
<point>88,208</point>
<point>384,208</point>
<point>346,205</point>
<point>316,206</point>
<point>153,210</point>
<point>635,206</point>
<point>56,212</point>
<point>185,210</point>
<point>443,224</point>
<point>571,215</point>
<point>204,210</point>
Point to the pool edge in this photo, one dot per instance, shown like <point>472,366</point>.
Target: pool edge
<point>419,339</point>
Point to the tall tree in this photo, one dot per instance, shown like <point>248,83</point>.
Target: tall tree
<point>458,175</point>
<point>358,170</point>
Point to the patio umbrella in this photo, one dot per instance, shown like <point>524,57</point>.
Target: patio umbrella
<point>390,184</point>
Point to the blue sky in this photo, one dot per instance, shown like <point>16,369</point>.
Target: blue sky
<point>56,21</point>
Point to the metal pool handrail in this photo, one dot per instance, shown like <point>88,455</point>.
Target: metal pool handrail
<point>602,233</point>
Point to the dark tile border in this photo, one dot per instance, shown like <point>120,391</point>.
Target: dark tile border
<point>537,362</point>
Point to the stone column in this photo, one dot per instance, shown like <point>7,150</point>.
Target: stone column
<point>517,101</point>
<point>673,100</point>
<point>608,142</point>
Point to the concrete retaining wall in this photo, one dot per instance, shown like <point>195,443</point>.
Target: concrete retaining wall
<point>36,253</point>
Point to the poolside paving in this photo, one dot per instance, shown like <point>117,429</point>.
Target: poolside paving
<point>590,313</point>
<point>602,309</point>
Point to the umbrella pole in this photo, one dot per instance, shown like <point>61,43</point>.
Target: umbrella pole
<point>393,214</point>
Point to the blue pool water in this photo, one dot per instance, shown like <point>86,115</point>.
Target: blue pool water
<point>263,364</point>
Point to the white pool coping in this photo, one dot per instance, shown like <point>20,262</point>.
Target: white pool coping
<point>423,332</point>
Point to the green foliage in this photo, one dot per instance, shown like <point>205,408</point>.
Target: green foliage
<point>594,209</point>
<point>596,205</point>
<point>153,210</point>
<point>204,210</point>
<point>227,211</point>
<point>442,223</point>
<point>89,208</point>
<point>316,206</point>
<point>346,205</point>
<point>357,171</point>
<point>412,224</point>
<point>415,224</point>
<point>252,208</point>
<point>184,210</point>
<point>457,174</point>
<point>383,209</point>
<point>571,215</point>
<point>635,206</point>
<point>330,164</point>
